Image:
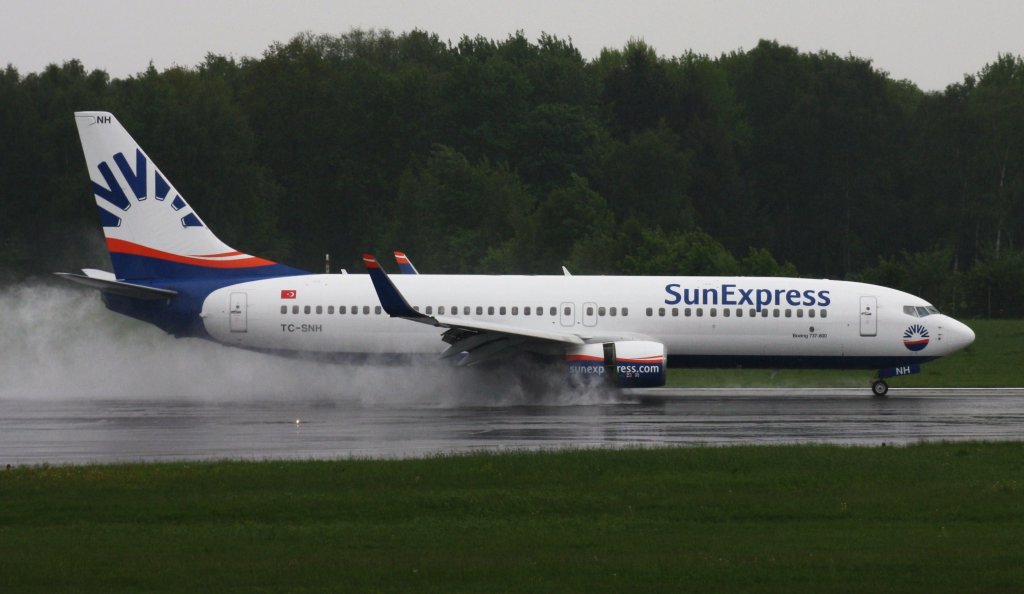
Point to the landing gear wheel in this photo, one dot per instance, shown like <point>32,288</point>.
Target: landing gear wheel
<point>879,388</point>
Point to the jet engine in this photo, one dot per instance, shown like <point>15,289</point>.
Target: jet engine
<point>624,363</point>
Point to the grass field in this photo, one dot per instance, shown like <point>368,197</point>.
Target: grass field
<point>994,360</point>
<point>925,518</point>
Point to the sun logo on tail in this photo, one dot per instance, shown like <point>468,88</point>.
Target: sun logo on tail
<point>916,337</point>
<point>138,182</point>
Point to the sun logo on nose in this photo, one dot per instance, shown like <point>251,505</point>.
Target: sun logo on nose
<point>916,337</point>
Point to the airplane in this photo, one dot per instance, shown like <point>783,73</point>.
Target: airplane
<point>169,269</point>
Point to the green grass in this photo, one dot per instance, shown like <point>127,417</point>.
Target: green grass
<point>926,518</point>
<point>993,361</point>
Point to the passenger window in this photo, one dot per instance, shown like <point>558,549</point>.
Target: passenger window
<point>355,309</point>
<point>330,309</point>
<point>725,312</point>
<point>753,312</point>
<point>590,311</point>
<point>307,309</point>
<point>601,311</point>
<point>810,313</point>
<point>366,310</point>
<point>568,311</point>
<point>430,310</point>
<point>284,309</point>
<point>526,310</point>
<point>675,312</point>
<point>501,310</point>
<point>440,310</point>
<point>490,310</point>
<point>377,310</point>
<point>824,313</point>
<point>799,313</point>
<point>650,312</point>
<point>479,310</point>
<point>295,309</point>
<point>625,311</point>
<point>465,310</point>
<point>515,310</point>
<point>764,313</point>
<point>687,312</point>
<point>714,312</point>
<point>319,309</point>
<point>739,312</point>
<point>612,311</point>
<point>789,313</point>
<point>661,312</point>
<point>554,312</point>
<point>700,312</point>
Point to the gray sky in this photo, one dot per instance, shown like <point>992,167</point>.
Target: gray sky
<point>932,43</point>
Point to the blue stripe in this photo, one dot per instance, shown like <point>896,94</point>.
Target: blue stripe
<point>133,267</point>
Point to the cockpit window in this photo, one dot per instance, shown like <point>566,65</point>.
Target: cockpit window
<point>920,311</point>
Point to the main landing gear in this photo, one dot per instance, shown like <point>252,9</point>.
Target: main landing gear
<point>879,388</point>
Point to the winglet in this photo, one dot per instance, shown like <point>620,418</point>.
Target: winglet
<point>405,265</point>
<point>390,298</point>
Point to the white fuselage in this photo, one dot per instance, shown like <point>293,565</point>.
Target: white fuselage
<point>698,319</point>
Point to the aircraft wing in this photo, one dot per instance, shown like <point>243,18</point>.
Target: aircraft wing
<point>482,341</point>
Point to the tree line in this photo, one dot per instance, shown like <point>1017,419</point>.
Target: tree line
<point>519,156</point>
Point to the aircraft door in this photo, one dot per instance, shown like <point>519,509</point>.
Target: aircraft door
<point>237,315</point>
<point>567,312</point>
<point>589,314</point>
<point>868,316</point>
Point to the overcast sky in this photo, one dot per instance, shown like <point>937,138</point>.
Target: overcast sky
<point>932,43</point>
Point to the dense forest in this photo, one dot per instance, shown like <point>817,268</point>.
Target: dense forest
<point>519,156</point>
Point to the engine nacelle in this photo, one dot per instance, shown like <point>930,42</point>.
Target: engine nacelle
<point>626,364</point>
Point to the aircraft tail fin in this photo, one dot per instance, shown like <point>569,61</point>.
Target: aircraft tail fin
<point>151,231</point>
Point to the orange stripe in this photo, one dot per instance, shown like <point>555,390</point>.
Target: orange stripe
<point>224,255</point>
<point>595,359</point>
<point>584,358</point>
<point>119,246</point>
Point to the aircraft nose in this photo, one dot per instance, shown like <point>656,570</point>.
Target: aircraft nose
<point>959,335</point>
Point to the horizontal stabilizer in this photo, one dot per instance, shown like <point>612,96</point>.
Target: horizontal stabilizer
<point>118,287</point>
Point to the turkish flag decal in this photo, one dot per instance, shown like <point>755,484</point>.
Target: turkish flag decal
<point>288,294</point>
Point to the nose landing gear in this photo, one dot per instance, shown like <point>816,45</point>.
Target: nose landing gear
<point>879,387</point>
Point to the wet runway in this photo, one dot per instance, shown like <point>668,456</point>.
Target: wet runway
<point>113,430</point>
